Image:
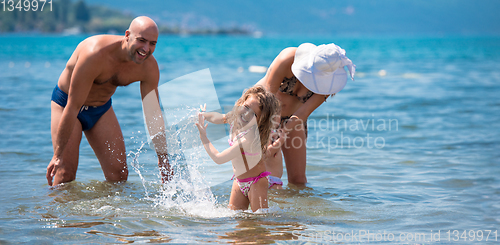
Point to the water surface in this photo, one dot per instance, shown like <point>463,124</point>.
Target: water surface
<point>413,151</point>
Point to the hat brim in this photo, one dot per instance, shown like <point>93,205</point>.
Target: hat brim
<point>324,84</point>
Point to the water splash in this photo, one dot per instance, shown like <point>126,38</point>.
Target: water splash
<point>188,192</point>
<point>137,166</point>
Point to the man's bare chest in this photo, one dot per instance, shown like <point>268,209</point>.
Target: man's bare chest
<point>119,76</point>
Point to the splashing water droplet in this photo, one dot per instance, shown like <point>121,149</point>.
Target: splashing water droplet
<point>187,192</point>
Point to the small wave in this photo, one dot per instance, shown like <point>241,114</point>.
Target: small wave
<point>81,224</point>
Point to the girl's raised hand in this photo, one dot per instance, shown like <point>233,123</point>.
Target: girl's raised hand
<point>202,127</point>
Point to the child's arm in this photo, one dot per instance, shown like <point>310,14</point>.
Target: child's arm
<point>218,157</point>
<point>215,117</point>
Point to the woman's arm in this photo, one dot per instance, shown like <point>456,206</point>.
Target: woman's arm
<point>304,111</point>
<point>276,141</point>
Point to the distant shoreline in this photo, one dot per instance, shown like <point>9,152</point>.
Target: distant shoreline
<point>62,34</point>
<point>67,17</point>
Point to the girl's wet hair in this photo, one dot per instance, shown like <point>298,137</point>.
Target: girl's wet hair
<point>270,109</point>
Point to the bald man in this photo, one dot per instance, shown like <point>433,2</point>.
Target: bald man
<point>81,101</point>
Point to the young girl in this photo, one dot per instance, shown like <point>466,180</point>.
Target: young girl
<point>251,123</point>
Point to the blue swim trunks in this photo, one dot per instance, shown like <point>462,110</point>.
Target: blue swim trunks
<point>89,115</point>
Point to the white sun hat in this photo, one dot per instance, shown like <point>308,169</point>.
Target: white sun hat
<point>321,68</point>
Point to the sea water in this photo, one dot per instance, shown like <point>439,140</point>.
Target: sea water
<point>408,152</point>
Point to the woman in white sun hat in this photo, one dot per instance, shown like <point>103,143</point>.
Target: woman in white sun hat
<point>302,79</point>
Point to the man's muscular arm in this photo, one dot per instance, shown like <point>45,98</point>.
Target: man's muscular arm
<point>86,69</point>
<point>154,118</point>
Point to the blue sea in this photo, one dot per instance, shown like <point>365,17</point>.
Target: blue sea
<point>409,152</point>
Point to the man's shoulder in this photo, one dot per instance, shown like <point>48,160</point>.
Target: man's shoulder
<point>98,44</point>
<point>103,38</point>
<point>151,70</point>
<point>151,63</point>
